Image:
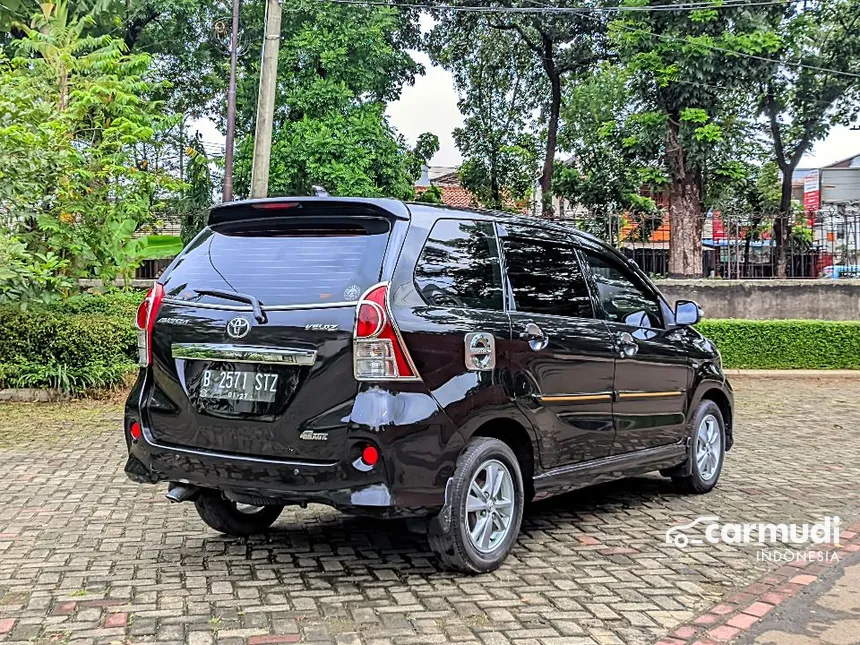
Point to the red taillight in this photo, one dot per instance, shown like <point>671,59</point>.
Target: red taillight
<point>146,314</point>
<point>370,455</point>
<point>379,352</point>
<point>371,317</point>
<point>275,206</point>
<point>136,432</point>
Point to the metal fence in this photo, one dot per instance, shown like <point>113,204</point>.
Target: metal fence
<point>823,244</point>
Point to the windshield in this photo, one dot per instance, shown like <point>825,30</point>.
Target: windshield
<point>290,262</point>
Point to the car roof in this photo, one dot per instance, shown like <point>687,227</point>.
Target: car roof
<point>403,210</point>
<point>441,210</point>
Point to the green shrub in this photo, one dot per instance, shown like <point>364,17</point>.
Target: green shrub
<point>112,303</point>
<point>83,342</point>
<point>785,344</point>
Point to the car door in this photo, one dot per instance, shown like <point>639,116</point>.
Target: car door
<point>562,356</point>
<point>653,371</point>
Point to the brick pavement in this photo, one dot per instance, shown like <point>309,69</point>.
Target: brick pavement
<point>87,557</point>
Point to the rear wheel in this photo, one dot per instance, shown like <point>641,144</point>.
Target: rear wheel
<point>481,522</point>
<point>234,518</point>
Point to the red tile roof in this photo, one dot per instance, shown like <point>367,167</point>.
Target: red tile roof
<point>456,196</point>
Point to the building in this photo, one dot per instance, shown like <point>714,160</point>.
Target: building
<point>447,180</point>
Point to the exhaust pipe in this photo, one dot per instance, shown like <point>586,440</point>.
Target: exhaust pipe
<point>181,492</point>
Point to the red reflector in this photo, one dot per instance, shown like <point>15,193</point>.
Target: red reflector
<point>136,432</point>
<point>370,455</point>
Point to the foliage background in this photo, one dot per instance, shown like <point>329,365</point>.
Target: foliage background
<point>785,344</point>
<point>87,341</point>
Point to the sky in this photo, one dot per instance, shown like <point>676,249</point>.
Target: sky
<point>430,105</point>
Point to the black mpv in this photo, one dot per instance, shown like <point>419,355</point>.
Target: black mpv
<point>409,360</point>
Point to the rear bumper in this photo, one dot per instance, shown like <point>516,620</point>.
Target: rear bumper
<point>338,484</point>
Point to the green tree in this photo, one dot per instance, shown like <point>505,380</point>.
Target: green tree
<point>338,66</point>
<point>197,197</point>
<point>426,146</point>
<point>690,80</point>
<point>816,87</point>
<point>750,202</point>
<point>560,47</point>
<point>72,110</point>
<point>499,90</point>
<point>603,174</point>
<point>432,195</point>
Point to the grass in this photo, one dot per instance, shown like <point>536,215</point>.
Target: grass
<point>53,423</point>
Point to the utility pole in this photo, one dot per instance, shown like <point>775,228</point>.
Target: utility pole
<point>266,101</point>
<point>227,194</point>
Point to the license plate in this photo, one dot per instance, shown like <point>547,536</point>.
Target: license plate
<point>237,385</point>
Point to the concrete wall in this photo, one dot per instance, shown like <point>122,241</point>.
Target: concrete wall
<point>769,299</point>
<point>753,299</point>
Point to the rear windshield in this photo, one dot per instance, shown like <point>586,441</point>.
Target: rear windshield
<point>283,262</point>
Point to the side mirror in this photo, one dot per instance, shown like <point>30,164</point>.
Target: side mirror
<point>687,312</point>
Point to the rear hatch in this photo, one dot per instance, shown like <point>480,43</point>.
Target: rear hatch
<point>252,345</point>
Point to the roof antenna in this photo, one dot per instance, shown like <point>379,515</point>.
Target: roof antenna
<point>319,191</point>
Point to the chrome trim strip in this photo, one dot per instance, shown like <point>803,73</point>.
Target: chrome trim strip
<point>243,353</point>
<point>209,305</point>
<point>649,395</point>
<point>646,454</point>
<point>562,398</point>
<point>231,457</point>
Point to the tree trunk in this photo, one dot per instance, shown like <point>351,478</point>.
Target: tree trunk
<point>782,224</point>
<point>685,211</point>
<point>551,141</point>
<point>685,221</point>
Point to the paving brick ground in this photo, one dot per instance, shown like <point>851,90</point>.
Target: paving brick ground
<point>87,557</point>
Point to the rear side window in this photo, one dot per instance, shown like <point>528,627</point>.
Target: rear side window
<point>283,262</point>
<point>459,266</point>
<point>545,275</point>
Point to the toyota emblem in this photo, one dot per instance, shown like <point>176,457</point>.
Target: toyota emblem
<point>238,327</point>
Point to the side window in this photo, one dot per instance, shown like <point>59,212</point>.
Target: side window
<point>459,266</point>
<point>546,277</point>
<point>623,297</point>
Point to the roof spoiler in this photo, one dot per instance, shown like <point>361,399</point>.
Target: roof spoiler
<point>288,206</point>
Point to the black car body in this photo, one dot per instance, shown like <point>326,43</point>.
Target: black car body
<point>349,352</point>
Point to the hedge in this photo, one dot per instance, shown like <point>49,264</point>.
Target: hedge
<point>89,341</point>
<point>785,344</point>
<point>83,342</point>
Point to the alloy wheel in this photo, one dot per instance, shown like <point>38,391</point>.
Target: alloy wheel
<point>490,506</point>
<point>708,447</point>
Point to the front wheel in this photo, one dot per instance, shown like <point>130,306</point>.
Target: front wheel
<point>708,448</point>
<point>481,522</point>
<point>233,518</point>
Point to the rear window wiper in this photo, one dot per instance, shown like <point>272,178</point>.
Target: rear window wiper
<point>237,297</point>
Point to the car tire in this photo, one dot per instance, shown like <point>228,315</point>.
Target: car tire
<point>232,518</point>
<point>707,449</point>
<point>481,520</point>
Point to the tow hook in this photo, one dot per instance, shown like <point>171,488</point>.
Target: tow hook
<point>181,492</point>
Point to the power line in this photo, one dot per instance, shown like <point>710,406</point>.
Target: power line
<point>580,10</point>
<point>587,11</point>
<point>729,51</point>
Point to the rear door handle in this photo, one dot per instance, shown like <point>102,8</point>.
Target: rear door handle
<point>535,336</point>
<point>627,346</point>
